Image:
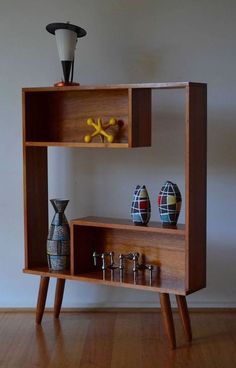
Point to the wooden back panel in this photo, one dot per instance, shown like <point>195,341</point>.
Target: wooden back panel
<point>62,116</point>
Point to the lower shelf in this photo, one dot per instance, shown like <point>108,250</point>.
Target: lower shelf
<point>160,283</point>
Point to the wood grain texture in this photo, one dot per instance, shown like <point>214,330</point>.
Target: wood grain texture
<point>60,286</point>
<point>77,145</point>
<point>35,205</point>
<point>52,117</point>
<point>62,117</point>
<point>165,251</point>
<point>57,116</point>
<point>111,340</point>
<point>195,171</point>
<point>168,318</point>
<point>42,296</point>
<point>184,315</point>
<point>139,117</point>
<point>160,283</point>
<point>125,224</point>
<point>165,85</point>
<point>35,184</point>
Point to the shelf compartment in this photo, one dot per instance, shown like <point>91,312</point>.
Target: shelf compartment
<point>53,118</point>
<point>163,248</point>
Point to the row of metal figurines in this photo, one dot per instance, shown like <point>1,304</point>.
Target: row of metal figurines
<point>58,243</point>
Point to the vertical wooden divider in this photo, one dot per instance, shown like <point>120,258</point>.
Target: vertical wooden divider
<point>35,205</point>
<point>195,185</point>
<point>36,216</point>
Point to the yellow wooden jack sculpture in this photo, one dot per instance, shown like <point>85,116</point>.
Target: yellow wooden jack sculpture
<point>100,130</point>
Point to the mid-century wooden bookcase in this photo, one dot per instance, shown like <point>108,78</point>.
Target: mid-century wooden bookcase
<point>56,116</point>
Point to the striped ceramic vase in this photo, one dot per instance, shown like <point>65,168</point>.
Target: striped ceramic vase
<point>141,207</point>
<point>58,243</point>
<point>169,203</point>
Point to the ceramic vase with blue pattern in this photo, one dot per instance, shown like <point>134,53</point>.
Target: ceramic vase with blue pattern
<point>58,243</point>
<point>169,203</point>
<point>141,206</point>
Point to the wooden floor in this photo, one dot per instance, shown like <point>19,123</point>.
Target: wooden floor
<point>115,340</point>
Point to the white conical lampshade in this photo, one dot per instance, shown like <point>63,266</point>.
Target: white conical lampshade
<point>66,38</point>
<point>66,44</point>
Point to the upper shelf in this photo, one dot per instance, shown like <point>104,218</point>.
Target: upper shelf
<point>57,116</point>
<point>60,119</point>
<point>168,85</point>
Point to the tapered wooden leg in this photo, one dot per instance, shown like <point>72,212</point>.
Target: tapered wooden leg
<point>184,315</point>
<point>58,297</point>
<point>168,318</point>
<point>42,296</point>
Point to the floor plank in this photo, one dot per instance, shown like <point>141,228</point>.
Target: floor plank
<point>115,340</point>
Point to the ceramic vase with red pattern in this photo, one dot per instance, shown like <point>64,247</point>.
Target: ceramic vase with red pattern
<point>141,207</point>
<point>169,203</point>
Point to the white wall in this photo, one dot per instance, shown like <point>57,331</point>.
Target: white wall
<point>127,41</point>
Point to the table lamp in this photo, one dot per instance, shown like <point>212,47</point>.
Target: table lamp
<point>66,37</point>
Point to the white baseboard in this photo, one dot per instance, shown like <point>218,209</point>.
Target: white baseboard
<point>125,306</point>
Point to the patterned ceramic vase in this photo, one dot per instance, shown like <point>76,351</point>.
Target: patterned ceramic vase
<point>169,203</point>
<point>141,207</point>
<point>58,243</point>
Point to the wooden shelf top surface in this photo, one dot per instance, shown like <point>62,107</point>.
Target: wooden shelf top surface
<point>168,85</point>
<point>164,284</point>
<point>114,223</point>
<point>77,144</point>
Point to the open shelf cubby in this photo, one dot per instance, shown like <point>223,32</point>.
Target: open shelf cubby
<point>59,116</point>
<point>161,247</point>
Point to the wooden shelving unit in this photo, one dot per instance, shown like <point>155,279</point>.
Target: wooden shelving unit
<point>56,116</point>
